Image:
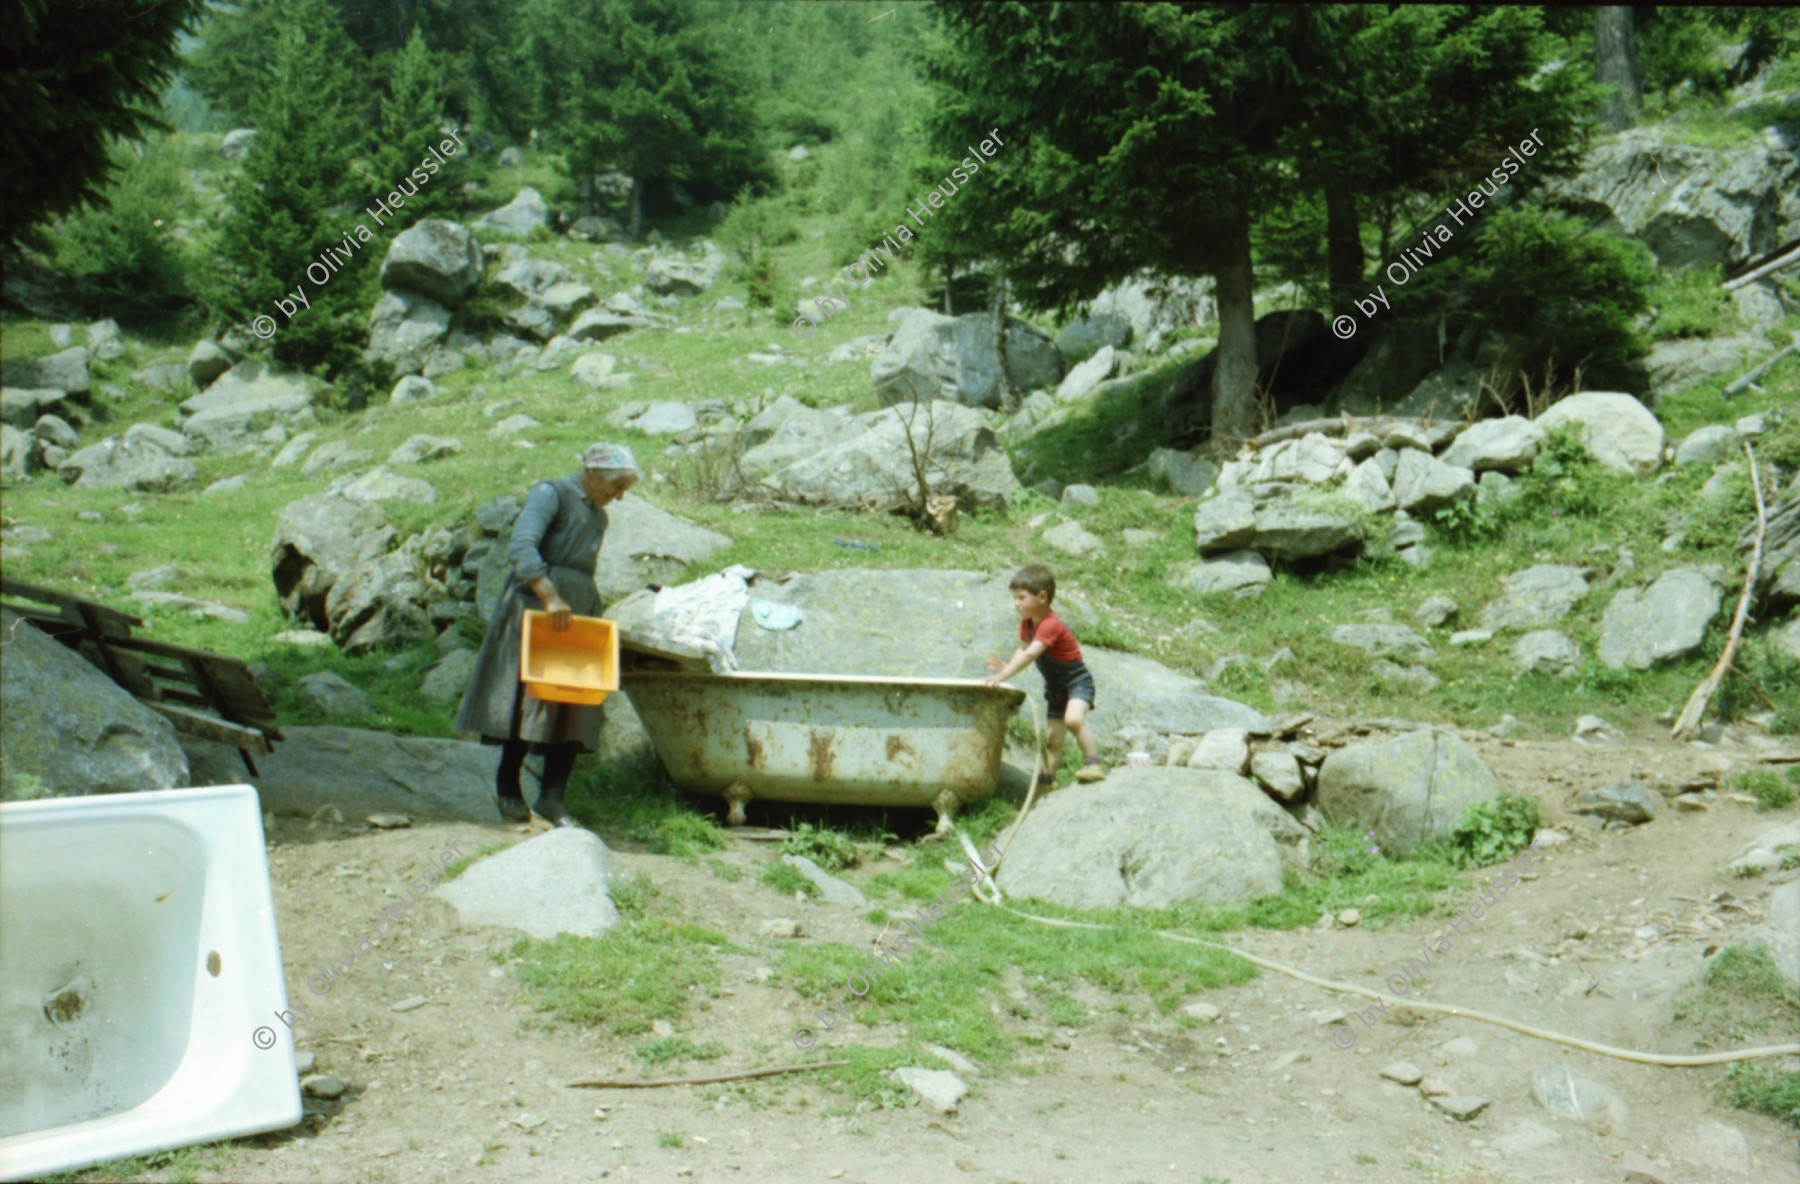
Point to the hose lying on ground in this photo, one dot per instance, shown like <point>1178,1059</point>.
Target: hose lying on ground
<point>1625,1054</point>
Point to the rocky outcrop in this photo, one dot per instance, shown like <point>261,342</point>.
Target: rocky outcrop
<point>405,329</point>
<point>525,213</point>
<point>1619,431</point>
<point>231,413</point>
<point>360,772</point>
<point>873,468</point>
<point>1662,623</point>
<point>71,730</point>
<point>320,540</point>
<point>66,371</point>
<point>935,357</point>
<point>143,460</point>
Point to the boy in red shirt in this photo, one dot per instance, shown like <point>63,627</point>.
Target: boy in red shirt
<point>1068,685</point>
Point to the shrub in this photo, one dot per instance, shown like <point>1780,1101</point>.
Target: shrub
<point>827,848</point>
<point>125,250</point>
<point>1772,793</point>
<point>1493,831</point>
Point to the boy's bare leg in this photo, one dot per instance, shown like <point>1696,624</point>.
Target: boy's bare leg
<point>1053,746</point>
<point>1076,719</point>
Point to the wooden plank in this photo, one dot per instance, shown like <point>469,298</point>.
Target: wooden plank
<point>208,727</point>
<point>110,619</point>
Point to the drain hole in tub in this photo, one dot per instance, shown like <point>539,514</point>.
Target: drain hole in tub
<point>212,964</point>
<point>64,1005</point>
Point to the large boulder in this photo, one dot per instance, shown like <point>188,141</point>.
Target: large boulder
<point>1677,365</point>
<point>19,454</point>
<point>564,874</point>
<point>529,277</point>
<point>361,773</point>
<point>1156,307</point>
<point>1152,839</point>
<point>1410,790</point>
<point>1290,530</point>
<point>1423,483</point>
<point>208,360</point>
<point>1619,431</point>
<point>1660,624</point>
<point>957,359</point>
<point>437,259</point>
<point>788,430</point>
<point>1084,336</point>
<point>234,411</point>
<point>66,371</point>
<point>24,406</point>
<point>69,730</point>
<point>319,540</point>
<point>138,462</point>
<point>525,213</point>
<point>669,275</point>
<point>874,467</point>
<point>405,328</point>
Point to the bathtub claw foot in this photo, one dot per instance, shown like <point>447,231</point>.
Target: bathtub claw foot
<point>946,804</point>
<point>737,793</point>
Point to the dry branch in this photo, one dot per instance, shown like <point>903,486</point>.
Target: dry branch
<point>1342,424</point>
<point>1748,380</point>
<point>658,1082</point>
<point>1696,704</point>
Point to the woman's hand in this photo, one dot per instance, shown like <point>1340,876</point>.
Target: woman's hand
<point>561,615</point>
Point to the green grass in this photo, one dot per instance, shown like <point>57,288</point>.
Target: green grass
<point>786,879</point>
<point>830,850</point>
<point>1773,792</point>
<point>643,971</point>
<point>184,1165</point>
<point>1742,998</point>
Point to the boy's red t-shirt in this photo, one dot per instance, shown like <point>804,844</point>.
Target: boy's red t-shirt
<point>1059,643</point>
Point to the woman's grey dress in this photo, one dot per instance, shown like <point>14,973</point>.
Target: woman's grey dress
<point>558,536</point>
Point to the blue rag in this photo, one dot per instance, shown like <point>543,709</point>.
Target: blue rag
<point>774,617</point>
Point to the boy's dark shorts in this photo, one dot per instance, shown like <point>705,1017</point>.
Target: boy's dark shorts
<point>1064,681</point>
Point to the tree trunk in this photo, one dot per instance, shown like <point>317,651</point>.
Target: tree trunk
<point>1616,65</point>
<point>637,210</point>
<point>1234,378</point>
<point>1343,247</point>
<point>1005,390</point>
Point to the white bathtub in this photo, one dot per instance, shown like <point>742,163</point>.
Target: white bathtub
<point>138,956</point>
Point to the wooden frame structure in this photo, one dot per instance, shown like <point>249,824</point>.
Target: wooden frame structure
<point>201,693</point>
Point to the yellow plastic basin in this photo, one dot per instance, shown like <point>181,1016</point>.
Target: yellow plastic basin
<point>579,664</point>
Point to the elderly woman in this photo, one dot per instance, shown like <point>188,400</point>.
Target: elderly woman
<point>554,548</point>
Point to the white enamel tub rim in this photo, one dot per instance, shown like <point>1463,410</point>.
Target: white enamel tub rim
<point>200,1077</point>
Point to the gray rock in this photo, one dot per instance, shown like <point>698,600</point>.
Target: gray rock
<point>163,376</point>
<point>1279,775</point>
<point>525,213</point>
<point>666,419</point>
<point>1707,445</point>
<point>1779,933</point>
<point>564,300</point>
<point>405,329</point>
<point>236,144</point>
<point>336,455</point>
<point>1545,652</point>
<point>382,484</point>
<point>939,1089</point>
<point>53,429</point>
<point>1224,750</point>
<point>1225,521</point>
<point>1624,801</point>
<point>1619,431</point>
<point>1291,530</point>
<point>1422,482</point>
<point>1382,639</point>
<point>137,465</point>
<point>1665,622</point>
<point>1410,790</point>
<point>1089,332</point>
<point>933,357</point>
<point>873,467</point>
<point>598,324</point>
<point>668,275</point>
<point>71,730</point>
<point>447,678</point>
<point>225,485</point>
<point>1312,459</point>
<point>380,605</point>
<point>512,425</point>
<point>105,341</point>
<point>293,450</point>
<point>149,436</point>
<point>207,361</point>
<point>18,454</point>
<point>232,411</point>
<point>1152,838</point>
<point>435,258</point>
<point>318,541</point>
<point>1240,572</point>
<point>1368,487</point>
<point>1779,585</point>
<point>595,370</point>
<point>412,389</point>
<point>1413,676</point>
<point>530,277</point>
<point>1072,538</point>
<point>66,371</point>
<point>1719,1150</point>
<point>1182,472</point>
<point>1679,365</point>
<point>498,516</point>
<point>22,407</point>
<point>1436,612</point>
<point>1567,1094</point>
<point>323,1085</point>
<point>1787,639</point>
<point>1080,495</point>
<point>1535,598</point>
<point>558,882</point>
<point>335,695</point>
<point>1080,382</point>
<point>832,889</point>
<point>419,449</point>
<point>1508,445</point>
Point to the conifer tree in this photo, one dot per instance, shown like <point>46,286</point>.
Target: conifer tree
<point>295,172</point>
<point>410,114</point>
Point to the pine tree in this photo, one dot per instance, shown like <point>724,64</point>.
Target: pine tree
<point>297,170</point>
<point>410,114</point>
<point>72,78</point>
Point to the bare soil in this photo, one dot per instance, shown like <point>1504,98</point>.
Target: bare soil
<point>471,1085</point>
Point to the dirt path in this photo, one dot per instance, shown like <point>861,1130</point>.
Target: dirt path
<point>469,1086</point>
